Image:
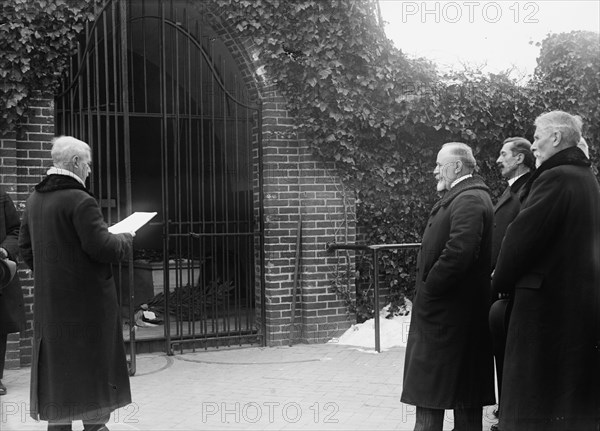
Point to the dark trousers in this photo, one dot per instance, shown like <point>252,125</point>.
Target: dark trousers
<point>464,419</point>
<point>96,425</point>
<point>499,318</point>
<point>3,340</point>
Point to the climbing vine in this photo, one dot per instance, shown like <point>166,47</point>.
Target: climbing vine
<point>36,40</point>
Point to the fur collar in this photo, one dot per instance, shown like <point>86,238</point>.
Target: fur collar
<point>569,156</point>
<point>55,182</point>
<point>473,183</point>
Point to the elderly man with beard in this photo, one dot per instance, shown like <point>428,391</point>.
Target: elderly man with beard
<point>449,362</point>
<point>550,264</point>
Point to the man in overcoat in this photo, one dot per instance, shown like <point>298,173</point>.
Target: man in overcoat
<point>449,362</point>
<point>12,307</point>
<point>515,162</point>
<point>550,263</point>
<point>79,368</point>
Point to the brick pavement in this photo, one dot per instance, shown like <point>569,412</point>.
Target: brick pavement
<point>306,386</point>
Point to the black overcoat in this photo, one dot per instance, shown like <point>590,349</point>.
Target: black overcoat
<point>12,308</point>
<point>449,362</point>
<point>550,261</point>
<point>79,368</point>
<point>505,211</point>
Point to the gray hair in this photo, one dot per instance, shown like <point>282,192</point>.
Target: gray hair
<point>464,153</point>
<point>568,125</point>
<point>65,147</point>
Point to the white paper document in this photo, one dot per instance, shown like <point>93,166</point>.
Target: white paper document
<point>132,223</point>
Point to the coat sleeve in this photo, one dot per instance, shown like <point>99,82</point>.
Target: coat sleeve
<point>25,247</point>
<point>11,242</point>
<point>467,218</point>
<point>95,239</point>
<point>530,232</point>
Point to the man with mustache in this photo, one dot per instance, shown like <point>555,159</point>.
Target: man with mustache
<point>516,162</point>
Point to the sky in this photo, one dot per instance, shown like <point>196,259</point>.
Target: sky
<point>493,35</point>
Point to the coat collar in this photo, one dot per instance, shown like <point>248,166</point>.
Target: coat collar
<point>515,189</point>
<point>473,183</point>
<point>55,182</point>
<point>569,156</point>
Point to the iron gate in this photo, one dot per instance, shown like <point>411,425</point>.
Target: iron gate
<point>172,127</point>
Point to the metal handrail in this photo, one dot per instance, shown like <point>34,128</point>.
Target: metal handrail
<point>375,248</point>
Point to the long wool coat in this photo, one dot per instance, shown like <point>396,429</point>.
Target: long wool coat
<point>12,308</point>
<point>79,368</point>
<point>550,259</point>
<point>449,362</point>
<point>505,211</point>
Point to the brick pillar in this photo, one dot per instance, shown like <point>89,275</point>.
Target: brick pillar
<point>298,185</point>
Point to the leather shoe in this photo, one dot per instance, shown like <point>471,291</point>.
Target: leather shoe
<point>2,388</point>
<point>494,428</point>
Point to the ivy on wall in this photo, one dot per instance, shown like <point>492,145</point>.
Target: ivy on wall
<point>36,40</point>
<point>359,102</point>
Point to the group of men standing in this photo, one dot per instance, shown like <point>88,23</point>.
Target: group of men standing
<point>519,281</point>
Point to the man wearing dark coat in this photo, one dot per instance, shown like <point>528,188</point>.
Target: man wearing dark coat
<point>79,368</point>
<point>550,263</point>
<point>449,362</point>
<point>12,307</point>
<point>516,162</point>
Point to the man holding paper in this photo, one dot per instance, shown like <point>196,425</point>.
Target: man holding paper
<point>79,368</point>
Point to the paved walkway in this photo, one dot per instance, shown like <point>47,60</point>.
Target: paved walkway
<point>307,386</point>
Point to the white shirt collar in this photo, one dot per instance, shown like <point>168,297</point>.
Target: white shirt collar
<point>458,180</point>
<point>60,171</point>
<point>512,180</point>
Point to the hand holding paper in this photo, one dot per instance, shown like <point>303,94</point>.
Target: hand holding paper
<point>132,223</point>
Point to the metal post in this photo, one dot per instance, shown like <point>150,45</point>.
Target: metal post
<point>375,249</point>
<point>376,299</point>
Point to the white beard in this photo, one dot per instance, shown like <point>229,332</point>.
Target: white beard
<point>441,185</point>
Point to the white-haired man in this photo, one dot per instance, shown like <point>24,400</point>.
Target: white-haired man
<point>79,369</point>
<point>550,263</point>
<point>449,362</point>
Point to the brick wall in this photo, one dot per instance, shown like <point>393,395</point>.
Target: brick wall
<point>25,157</point>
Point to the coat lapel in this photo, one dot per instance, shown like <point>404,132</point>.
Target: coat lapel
<point>505,197</point>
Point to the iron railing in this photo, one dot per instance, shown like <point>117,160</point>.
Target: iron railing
<point>374,249</point>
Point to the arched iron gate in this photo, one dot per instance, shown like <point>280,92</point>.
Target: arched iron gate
<point>172,128</point>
